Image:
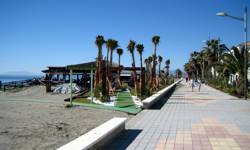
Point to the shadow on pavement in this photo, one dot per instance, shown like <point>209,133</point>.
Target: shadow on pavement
<point>164,99</point>
<point>123,140</point>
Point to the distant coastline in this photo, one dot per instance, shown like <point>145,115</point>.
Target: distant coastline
<point>10,78</point>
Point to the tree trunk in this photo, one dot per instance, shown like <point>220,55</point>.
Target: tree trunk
<point>104,91</point>
<point>107,73</point>
<point>141,75</point>
<point>97,71</point>
<point>111,65</point>
<point>134,74</point>
<point>153,82</point>
<point>159,75</point>
<point>119,70</point>
<point>100,70</point>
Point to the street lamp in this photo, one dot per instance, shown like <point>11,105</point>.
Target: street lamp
<point>244,19</point>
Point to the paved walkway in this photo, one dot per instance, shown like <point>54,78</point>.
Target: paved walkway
<point>203,120</point>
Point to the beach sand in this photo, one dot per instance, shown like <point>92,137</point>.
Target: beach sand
<point>32,119</point>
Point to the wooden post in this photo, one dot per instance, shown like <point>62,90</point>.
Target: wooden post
<point>91,85</point>
<point>57,77</point>
<point>71,87</point>
<point>64,78</point>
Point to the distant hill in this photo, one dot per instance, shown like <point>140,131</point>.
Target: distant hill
<point>19,73</point>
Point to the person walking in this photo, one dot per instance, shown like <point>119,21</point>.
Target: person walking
<point>199,84</point>
<point>192,84</point>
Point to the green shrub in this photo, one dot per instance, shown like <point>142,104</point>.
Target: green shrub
<point>147,92</point>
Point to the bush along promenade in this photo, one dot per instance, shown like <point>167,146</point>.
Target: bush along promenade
<point>219,66</point>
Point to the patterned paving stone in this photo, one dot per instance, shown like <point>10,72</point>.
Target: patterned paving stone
<point>205,120</point>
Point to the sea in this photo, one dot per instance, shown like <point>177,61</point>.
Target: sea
<point>10,78</point>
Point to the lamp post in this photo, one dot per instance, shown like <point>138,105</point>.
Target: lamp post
<point>244,19</point>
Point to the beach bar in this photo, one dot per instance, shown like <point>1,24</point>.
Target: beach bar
<point>81,74</point>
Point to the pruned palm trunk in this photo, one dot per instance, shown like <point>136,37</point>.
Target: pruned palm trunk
<point>159,75</point>
<point>110,78</point>
<point>167,73</point>
<point>100,70</point>
<point>96,75</point>
<point>141,75</point>
<point>104,93</point>
<point>119,71</point>
<point>97,71</point>
<point>111,65</point>
<point>150,75</point>
<point>153,79</point>
<point>134,73</point>
<point>107,73</point>
<point>147,73</point>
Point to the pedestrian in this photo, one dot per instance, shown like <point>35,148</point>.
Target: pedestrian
<point>199,84</point>
<point>192,84</point>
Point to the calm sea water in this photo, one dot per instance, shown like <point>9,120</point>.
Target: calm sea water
<point>9,78</point>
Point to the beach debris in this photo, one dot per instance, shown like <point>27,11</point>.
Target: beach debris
<point>66,89</point>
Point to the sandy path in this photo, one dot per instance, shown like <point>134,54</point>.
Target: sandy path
<point>27,123</point>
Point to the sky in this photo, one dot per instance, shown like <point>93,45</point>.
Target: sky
<point>35,34</point>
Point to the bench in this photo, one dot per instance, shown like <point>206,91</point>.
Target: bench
<point>97,137</point>
<point>150,101</point>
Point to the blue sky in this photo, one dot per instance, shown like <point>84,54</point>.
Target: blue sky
<point>38,33</point>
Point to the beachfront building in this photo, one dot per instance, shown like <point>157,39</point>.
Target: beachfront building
<point>81,74</point>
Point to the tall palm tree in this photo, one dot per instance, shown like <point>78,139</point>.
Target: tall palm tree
<point>140,49</point>
<point>109,43</point>
<point>119,52</point>
<point>159,69</point>
<point>131,48</point>
<point>234,63</point>
<point>156,41</point>
<point>99,43</point>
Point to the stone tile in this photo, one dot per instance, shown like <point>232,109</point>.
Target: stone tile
<point>194,120</point>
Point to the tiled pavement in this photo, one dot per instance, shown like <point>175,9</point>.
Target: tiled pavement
<point>203,120</point>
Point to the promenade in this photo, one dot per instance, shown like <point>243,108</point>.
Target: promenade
<point>203,120</point>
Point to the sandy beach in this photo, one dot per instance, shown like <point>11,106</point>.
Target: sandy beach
<point>33,119</point>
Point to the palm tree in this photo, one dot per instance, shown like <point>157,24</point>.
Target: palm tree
<point>109,43</point>
<point>131,48</point>
<point>99,43</point>
<point>155,40</point>
<point>178,73</point>
<point>159,69</point>
<point>147,69</point>
<point>189,69</point>
<point>119,52</point>
<point>167,62</point>
<point>233,62</point>
<point>159,61</point>
<point>150,60</point>
<point>140,49</point>
<point>113,46</point>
